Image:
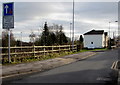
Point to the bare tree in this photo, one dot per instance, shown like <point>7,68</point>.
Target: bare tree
<point>32,37</point>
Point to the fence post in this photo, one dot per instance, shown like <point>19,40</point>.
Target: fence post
<point>78,48</point>
<point>52,48</point>
<point>69,47</point>
<point>15,54</point>
<point>59,48</point>
<point>34,50</point>
<point>44,50</point>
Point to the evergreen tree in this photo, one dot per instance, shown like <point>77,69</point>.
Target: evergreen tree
<point>61,37</point>
<point>50,37</point>
<point>45,38</point>
<point>81,39</point>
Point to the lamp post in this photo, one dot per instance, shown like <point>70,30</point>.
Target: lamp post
<point>116,35</point>
<point>109,43</point>
<point>21,41</point>
<point>116,31</point>
<point>109,46</point>
<point>70,32</point>
<point>73,29</point>
<point>70,35</point>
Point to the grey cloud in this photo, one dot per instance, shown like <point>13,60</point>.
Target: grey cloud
<point>97,9</point>
<point>28,10</point>
<point>25,13</point>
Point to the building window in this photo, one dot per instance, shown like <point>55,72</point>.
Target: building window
<point>91,42</point>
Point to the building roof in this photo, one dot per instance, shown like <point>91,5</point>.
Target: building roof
<point>96,32</point>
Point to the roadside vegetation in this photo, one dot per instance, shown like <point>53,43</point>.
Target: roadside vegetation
<point>100,49</point>
<point>48,56</point>
<point>50,36</point>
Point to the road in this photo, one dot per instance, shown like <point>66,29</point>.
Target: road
<point>95,69</point>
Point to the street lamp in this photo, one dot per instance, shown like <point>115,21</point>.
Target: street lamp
<point>116,35</point>
<point>21,41</point>
<point>116,31</point>
<point>70,35</point>
<point>73,29</point>
<point>70,32</point>
<point>109,44</point>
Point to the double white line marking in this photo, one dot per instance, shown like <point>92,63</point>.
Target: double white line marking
<point>114,65</point>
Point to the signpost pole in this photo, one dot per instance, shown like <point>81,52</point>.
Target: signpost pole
<point>9,58</point>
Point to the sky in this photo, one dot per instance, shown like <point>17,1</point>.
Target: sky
<point>31,16</point>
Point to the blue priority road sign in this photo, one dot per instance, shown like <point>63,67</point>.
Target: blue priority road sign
<point>8,9</point>
<point>8,15</point>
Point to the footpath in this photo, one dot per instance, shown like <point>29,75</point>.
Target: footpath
<point>37,66</point>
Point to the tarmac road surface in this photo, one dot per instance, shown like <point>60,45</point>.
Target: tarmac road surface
<point>95,69</point>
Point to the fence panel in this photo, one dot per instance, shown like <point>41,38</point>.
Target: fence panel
<point>20,53</point>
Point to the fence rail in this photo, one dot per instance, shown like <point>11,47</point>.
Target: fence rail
<point>20,52</point>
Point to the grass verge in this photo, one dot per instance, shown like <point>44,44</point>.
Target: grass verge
<point>48,56</point>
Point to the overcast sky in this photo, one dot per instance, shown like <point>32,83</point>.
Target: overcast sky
<point>88,15</point>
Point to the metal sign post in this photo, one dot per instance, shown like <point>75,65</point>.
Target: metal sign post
<point>9,58</point>
<point>8,21</point>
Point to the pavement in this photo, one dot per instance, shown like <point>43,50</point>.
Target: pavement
<point>37,66</point>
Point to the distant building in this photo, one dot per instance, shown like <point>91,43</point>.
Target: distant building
<point>95,39</point>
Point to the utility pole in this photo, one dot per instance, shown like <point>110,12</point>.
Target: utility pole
<point>73,29</point>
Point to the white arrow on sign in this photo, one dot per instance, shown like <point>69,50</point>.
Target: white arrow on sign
<point>6,8</point>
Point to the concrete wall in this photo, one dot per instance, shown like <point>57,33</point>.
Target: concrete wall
<point>104,41</point>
